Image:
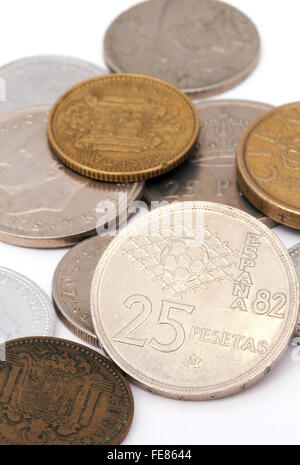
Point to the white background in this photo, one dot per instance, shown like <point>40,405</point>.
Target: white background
<point>268,413</point>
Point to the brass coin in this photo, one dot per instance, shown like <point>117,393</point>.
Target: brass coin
<point>197,315</point>
<point>71,287</point>
<point>268,161</point>
<point>56,392</point>
<point>123,128</point>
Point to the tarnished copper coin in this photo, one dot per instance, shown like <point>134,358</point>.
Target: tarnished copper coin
<point>203,46</point>
<point>56,392</point>
<point>208,300</point>
<point>42,203</point>
<point>209,173</point>
<point>268,160</point>
<point>123,128</point>
<point>72,285</point>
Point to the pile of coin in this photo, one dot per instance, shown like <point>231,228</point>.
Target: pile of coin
<point>197,298</point>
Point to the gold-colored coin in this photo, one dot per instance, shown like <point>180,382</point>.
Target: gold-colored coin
<point>268,161</point>
<point>123,127</point>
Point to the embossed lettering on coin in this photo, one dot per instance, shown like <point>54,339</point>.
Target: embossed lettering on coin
<point>123,128</point>
<point>25,309</point>
<point>197,315</point>
<point>203,46</point>
<point>210,171</point>
<point>72,283</point>
<point>269,164</point>
<point>55,392</point>
<point>43,204</point>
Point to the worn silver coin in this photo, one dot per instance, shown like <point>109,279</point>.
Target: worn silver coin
<point>25,309</point>
<point>210,171</point>
<point>72,285</point>
<point>203,46</point>
<point>195,301</point>
<point>41,80</point>
<point>43,203</point>
<point>295,256</point>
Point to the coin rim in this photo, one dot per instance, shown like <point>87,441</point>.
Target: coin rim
<point>295,251</point>
<point>278,210</point>
<point>51,242</point>
<point>197,92</point>
<point>45,302</point>
<point>64,315</point>
<point>96,355</point>
<point>64,59</point>
<point>209,392</point>
<point>129,176</point>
